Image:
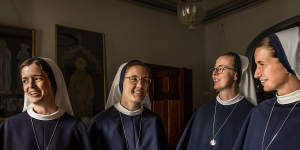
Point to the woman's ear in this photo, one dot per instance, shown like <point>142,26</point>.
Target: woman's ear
<point>235,78</point>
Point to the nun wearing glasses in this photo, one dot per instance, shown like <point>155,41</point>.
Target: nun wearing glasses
<point>274,123</point>
<point>127,123</point>
<point>216,125</point>
<point>47,121</point>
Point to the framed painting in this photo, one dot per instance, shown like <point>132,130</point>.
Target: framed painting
<point>16,45</point>
<point>81,57</point>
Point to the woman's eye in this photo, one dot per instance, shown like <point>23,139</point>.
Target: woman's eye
<point>260,64</point>
<point>134,79</point>
<point>24,81</point>
<point>38,79</point>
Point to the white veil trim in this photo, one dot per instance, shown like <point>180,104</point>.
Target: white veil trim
<point>246,85</point>
<point>115,95</point>
<point>62,99</point>
<point>290,40</point>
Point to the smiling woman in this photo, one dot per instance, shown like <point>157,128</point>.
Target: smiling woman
<point>46,106</point>
<point>127,123</point>
<point>135,87</point>
<point>274,123</point>
<point>270,71</point>
<point>39,86</point>
<point>229,109</point>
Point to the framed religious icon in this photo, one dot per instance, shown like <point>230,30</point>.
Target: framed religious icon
<point>16,45</point>
<point>81,57</point>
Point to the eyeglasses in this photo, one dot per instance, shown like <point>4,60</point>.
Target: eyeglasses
<point>134,80</point>
<point>219,69</point>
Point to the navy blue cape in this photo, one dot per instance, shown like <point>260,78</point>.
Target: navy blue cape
<point>198,132</point>
<point>251,135</point>
<point>16,133</point>
<point>106,131</point>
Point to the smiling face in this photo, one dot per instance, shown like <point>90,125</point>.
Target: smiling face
<point>228,77</point>
<point>36,84</point>
<point>271,73</point>
<point>135,92</point>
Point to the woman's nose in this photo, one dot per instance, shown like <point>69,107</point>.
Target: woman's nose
<point>32,83</point>
<point>257,73</point>
<point>139,83</point>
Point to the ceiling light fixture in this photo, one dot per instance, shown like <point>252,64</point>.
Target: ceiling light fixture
<point>190,12</point>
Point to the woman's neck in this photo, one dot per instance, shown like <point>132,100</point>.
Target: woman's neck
<point>45,107</point>
<point>292,84</point>
<point>228,94</point>
<point>130,105</point>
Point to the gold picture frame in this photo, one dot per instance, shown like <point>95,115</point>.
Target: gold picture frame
<point>81,56</point>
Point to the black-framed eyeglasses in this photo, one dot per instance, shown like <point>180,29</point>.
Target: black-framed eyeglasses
<point>219,69</point>
<point>134,80</point>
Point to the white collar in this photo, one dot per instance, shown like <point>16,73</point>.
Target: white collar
<point>230,101</point>
<point>52,116</point>
<point>127,112</point>
<point>289,98</point>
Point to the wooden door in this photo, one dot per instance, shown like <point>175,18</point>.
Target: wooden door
<point>171,98</point>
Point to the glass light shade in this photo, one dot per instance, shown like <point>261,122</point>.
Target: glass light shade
<point>189,13</point>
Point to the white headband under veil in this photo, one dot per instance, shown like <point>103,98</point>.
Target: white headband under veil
<point>115,95</point>
<point>61,97</point>
<point>246,85</point>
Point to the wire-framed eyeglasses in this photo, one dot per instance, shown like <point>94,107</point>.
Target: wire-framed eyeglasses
<point>219,69</point>
<point>134,80</point>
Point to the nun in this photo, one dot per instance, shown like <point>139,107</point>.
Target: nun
<point>274,123</point>
<point>47,121</point>
<point>215,126</point>
<point>127,123</point>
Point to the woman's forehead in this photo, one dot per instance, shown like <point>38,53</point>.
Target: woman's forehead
<point>262,53</point>
<point>225,61</point>
<point>137,70</point>
<point>32,69</point>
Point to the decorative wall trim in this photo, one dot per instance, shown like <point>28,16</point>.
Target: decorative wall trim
<point>228,8</point>
<point>163,5</point>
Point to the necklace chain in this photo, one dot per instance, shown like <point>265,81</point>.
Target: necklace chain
<point>124,132</point>
<point>35,136</point>
<point>221,127</point>
<point>275,135</point>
